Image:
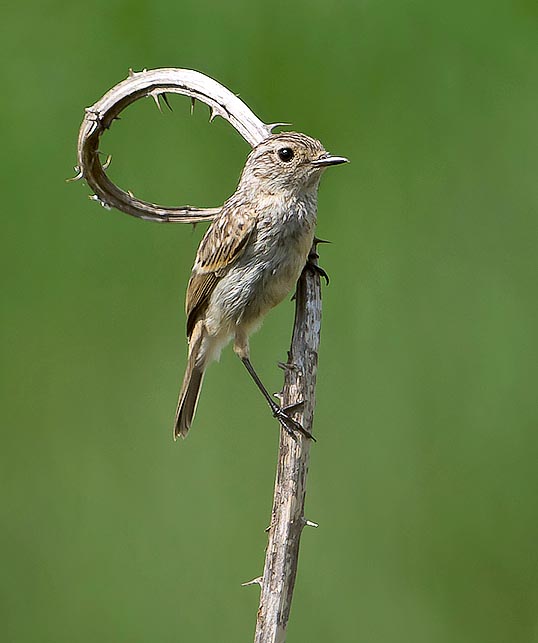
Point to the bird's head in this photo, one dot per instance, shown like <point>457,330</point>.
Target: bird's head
<point>287,162</point>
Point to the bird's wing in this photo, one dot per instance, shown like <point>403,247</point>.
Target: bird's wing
<point>222,244</point>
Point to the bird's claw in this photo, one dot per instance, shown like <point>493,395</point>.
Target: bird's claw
<point>318,270</point>
<point>291,426</point>
<point>292,407</point>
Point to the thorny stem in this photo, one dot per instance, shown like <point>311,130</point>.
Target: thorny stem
<point>157,83</point>
<point>287,517</point>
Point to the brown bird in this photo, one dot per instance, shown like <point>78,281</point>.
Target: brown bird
<point>250,259</point>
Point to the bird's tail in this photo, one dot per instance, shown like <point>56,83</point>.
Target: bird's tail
<point>192,384</point>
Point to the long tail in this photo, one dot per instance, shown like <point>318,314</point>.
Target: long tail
<point>192,384</point>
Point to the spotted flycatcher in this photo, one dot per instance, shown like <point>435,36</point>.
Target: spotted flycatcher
<point>250,259</point>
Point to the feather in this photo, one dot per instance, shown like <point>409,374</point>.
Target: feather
<point>221,246</point>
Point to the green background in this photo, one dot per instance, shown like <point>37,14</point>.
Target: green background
<point>425,476</point>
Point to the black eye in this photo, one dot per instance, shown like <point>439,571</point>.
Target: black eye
<point>285,153</point>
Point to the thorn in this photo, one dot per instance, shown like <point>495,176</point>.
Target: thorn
<point>318,240</point>
<point>79,175</point>
<point>131,72</point>
<point>272,126</point>
<point>89,111</point>
<point>278,396</point>
<point>287,366</point>
<point>107,163</point>
<point>130,194</point>
<point>165,98</point>
<point>94,197</point>
<point>156,99</point>
<point>254,581</point>
<point>214,114</point>
<point>193,102</point>
<point>311,523</point>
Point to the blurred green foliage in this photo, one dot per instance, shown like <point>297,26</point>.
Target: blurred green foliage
<point>424,479</point>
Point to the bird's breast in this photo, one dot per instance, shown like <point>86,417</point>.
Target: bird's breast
<point>269,267</point>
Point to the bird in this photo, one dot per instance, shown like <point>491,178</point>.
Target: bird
<point>250,259</point>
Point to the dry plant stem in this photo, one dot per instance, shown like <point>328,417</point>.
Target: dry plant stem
<point>156,83</point>
<point>287,519</point>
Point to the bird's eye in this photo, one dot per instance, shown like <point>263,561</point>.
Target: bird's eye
<point>285,154</point>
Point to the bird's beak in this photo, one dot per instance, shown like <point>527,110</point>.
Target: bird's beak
<point>326,159</point>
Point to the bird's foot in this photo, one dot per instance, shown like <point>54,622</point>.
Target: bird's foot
<point>318,270</point>
<point>312,259</point>
<point>291,426</point>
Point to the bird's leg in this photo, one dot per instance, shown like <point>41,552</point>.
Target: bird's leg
<point>291,426</point>
<point>281,413</point>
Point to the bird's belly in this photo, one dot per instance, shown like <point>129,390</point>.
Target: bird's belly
<point>256,284</point>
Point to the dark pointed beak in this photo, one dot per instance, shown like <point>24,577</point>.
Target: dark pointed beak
<point>326,159</point>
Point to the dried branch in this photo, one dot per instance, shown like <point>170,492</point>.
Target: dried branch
<point>156,83</point>
<point>287,518</point>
